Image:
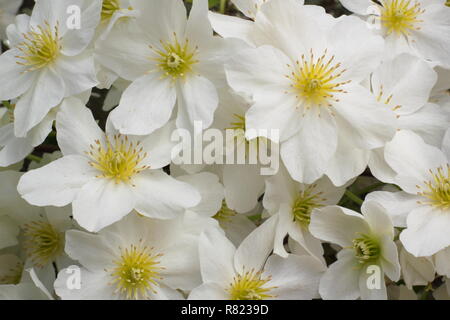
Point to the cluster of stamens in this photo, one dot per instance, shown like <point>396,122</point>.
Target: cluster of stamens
<point>43,243</point>
<point>12,275</point>
<point>175,59</point>
<point>304,205</point>
<point>386,100</point>
<point>118,159</point>
<point>224,214</point>
<point>40,48</point>
<point>250,286</point>
<point>401,16</point>
<point>437,190</point>
<point>109,7</point>
<point>315,80</point>
<point>137,272</point>
<point>366,248</point>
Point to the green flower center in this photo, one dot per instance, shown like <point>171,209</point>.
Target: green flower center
<point>366,248</point>
<point>304,204</point>
<point>109,7</point>
<point>224,214</point>
<point>136,272</point>
<point>43,242</point>
<point>176,59</point>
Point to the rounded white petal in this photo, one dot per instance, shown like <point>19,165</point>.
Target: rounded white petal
<point>57,183</point>
<point>146,105</point>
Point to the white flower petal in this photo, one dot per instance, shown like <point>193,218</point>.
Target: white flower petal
<point>101,202</point>
<point>427,231</point>
<point>158,195</point>
<point>146,105</point>
<point>295,277</point>
<point>337,225</point>
<point>340,281</point>
<point>77,128</point>
<point>255,249</point>
<point>216,257</point>
<point>57,183</point>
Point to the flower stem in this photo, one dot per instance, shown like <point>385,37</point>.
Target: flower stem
<point>223,6</point>
<point>353,197</point>
<point>34,158</point>
<point>370,188</point>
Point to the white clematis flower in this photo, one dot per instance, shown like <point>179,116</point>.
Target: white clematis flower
<point>105,176</point>
<point>419,27</point>
<point>293,203</point>
<point>250,272</point>
<point>172,61</point>
<point>40,231</point>
<point>136,258</point>
<point>368,251</point>
<point>404,85</point>
<point>307,85</point>
<point>47,60</point>
<point>422,171</point>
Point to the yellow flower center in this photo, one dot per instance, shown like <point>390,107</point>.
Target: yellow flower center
<point>304,205</point>
<point>250,286</point>
<point>224,214</point>
<point>40,48</point>
<point>137,272</point>
<point>437,190</point>
<point>13,275</point>
<point>119,159</point>
<point>401,16</point>
<point>315,80</point>
<point>366,249</point>
<point>43,243</point>
<point>109,7</point>
<point>176,59</point>
<point>447,3</point>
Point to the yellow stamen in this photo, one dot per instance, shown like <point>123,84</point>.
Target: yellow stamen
<point>224,214</point>
<point>401,16</point>
<point>304,205</point>
<point>119,159</point>
<point>315,81</point>
<point>437,190</point>
<point>40,48</point>
<point>176,59</point>
<point>366,249</point>
<point>13,275</point>
<point>250,286</point>
<point>109,7</point>
<point>43,243</point>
